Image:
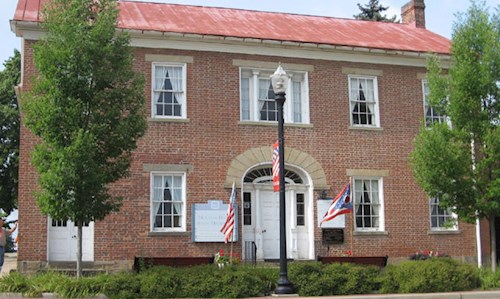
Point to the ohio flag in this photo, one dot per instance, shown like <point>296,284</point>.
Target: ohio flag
<point>340,205</point>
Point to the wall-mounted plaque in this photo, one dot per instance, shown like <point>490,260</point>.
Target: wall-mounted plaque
<point>333,236</point>
<point>208,219</point>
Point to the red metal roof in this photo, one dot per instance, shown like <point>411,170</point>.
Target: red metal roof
<point>228,22</point>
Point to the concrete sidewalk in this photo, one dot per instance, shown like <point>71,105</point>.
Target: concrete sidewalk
<point>10,263</point>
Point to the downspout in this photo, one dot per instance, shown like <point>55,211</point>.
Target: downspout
<point>478,244</point>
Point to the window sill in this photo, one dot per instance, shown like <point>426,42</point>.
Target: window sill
<point>367,128</point>
<point>172,233</point>
<point>445,232</point>
<point>273,124</point>
<point>370,233</point>
<point>172,120</point>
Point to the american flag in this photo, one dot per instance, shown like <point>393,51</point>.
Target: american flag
<point>228,227</point>
<point>340,205</point>
<point>276,166</point>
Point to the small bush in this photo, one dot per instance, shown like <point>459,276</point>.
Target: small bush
<point>315,279</point>
<point>489,279</point>
<point>159,282</point>
<point>120,286</point>
<point>431,275</point>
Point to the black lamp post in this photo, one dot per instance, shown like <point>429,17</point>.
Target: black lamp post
<point>280,81</point>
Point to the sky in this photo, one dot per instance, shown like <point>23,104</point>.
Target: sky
<point>440,14</point>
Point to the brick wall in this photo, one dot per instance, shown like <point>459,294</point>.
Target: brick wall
<point>213,138</point>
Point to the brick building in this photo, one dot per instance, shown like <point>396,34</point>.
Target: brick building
<point>356,100</point>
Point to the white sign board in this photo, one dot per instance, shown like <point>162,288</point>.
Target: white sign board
<point>209,218</point>
<point>337,222</point>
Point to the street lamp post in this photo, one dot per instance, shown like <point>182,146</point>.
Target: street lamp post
<point>280,81</point>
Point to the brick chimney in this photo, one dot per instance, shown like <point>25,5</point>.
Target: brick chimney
<point>413,13</point>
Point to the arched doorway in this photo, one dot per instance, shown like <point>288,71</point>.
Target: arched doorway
<point>260,213</point>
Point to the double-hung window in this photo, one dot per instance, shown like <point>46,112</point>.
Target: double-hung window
<point>363,101</point>
<point>169,90</point>
<point>368,204</point>
<point>257,102</point>
<point>432,116</point>
<point>442,219</point>
<point>168,202</point>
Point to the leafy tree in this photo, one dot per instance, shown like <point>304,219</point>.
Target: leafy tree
<point>373,12</point>
<point>460,164</point>
<point>88,108</point>
<point>9,133</point>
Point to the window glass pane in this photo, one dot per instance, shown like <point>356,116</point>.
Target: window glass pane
<point>245,98</point>
<point>300,209</point>
<point>247,208</point>
<point>167,201</point>
<point>297,102</point>
<point>257,98</point>
<point>367,204</point>
<point>362,101</point>
<point>168,90</point>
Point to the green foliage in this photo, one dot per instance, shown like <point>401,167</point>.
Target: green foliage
<point>87,105</point>
<point>315,279</point>
<point>120,286</point>
<point>15,283</point>
<point>311,279</point>
<point>159,282</point>
<point>373,12</point>
<point>489,279</point>
<point>460,163</point>
<point>431,275</point>
<point>9,132</point>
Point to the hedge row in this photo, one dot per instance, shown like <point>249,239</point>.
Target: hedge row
<point>310,279</point>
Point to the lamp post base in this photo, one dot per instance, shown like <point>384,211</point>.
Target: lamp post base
<point>284,287</point>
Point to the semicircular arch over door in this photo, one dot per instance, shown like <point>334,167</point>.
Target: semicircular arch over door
<point>260,213</point>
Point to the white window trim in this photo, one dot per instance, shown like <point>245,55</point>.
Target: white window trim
<point>442,229</point>
<point>375,96</point>
<point>184,87</point>
<point>381,227</point>
<point>184,206</point>
<point>288,106</point>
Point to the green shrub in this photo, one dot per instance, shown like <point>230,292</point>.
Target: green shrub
<point>123,285</point>
<point>346,279</point>
<point>315,279</point>
<point>229,282</point>
<point>159,282</point>
<point>432,275</point>
<point>489,279</point>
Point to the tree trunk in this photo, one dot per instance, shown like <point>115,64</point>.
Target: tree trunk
<point>79,251</point>
<point>493,239</point>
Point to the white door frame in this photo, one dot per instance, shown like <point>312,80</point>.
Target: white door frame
<point>294,234</point>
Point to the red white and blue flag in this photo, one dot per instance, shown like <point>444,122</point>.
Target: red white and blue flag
<point>276,166</point>
<point>228,227</point>
<point>341,204</point>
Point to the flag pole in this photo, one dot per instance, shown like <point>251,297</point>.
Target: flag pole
<point>232,233</point>
<point>352,222</point>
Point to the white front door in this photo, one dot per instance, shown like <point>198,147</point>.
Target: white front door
<point>62,241</point>
<point>269,203</point>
